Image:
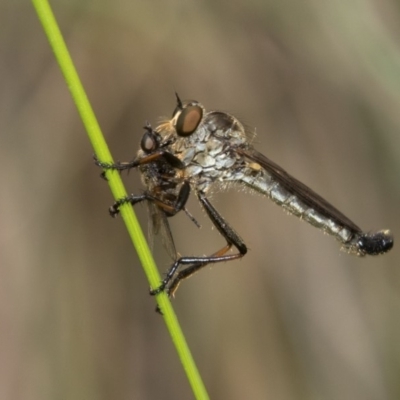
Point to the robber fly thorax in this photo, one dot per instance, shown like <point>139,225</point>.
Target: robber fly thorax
<point>209,152</point>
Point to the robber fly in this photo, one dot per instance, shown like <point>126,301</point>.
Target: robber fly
<point>197,150</point>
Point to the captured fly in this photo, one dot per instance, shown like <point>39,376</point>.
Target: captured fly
<point>197,150</point>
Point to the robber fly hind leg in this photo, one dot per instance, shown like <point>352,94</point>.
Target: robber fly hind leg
<point>194,264</point>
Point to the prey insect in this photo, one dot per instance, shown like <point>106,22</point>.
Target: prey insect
<point>198,150</point>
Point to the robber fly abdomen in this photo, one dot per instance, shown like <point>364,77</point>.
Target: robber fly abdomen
<point>311,208</point>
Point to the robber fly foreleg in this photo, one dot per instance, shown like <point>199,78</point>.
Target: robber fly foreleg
<point>172,160</point>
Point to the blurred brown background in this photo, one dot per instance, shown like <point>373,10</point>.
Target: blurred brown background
<point>296,318</point>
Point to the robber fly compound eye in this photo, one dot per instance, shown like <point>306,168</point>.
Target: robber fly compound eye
<point>188,120</point>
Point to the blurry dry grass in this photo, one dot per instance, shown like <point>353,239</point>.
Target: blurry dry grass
<point>320,81</point>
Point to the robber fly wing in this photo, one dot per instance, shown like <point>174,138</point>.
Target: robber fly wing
<point>303,192</point>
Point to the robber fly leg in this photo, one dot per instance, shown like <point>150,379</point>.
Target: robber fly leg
<point>194,264</point>
<point>192,269</point>
<point>175,162</point>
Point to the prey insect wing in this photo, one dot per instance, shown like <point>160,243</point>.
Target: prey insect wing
<point>159,226</point>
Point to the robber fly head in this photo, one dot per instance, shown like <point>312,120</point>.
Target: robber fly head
<point>186,116</point>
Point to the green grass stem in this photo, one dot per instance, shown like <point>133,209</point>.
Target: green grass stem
<point>101,150</point>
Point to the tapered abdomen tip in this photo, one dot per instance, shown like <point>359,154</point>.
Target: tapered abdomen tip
<point>375,243</point>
